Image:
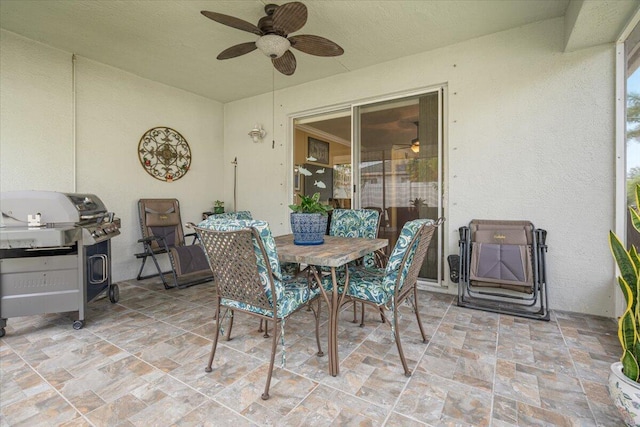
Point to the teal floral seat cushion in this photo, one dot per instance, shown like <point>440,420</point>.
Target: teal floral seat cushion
<point>377,285</point>
<point>356,223</point>
<point>244,215</point>
<point>296,293</point>
<point>289,269</point>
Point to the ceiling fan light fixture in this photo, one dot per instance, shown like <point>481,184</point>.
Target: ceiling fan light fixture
<point>415,145</point>
<point>273,45</point>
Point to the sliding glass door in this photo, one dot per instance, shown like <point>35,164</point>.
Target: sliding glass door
<point>398,154</point>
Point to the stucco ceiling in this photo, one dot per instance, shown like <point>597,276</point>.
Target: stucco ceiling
<point>169,41</point>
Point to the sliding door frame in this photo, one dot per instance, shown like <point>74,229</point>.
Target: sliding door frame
<point>442,186</point>
<point>442,90</point>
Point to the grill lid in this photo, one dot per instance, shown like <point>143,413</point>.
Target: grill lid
<point>53,207</point>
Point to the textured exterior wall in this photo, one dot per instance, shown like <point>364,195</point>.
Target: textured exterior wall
<point>36,109</point>
<point>530,135</point>
<point>114,109</point>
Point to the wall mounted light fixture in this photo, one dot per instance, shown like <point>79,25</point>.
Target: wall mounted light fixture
<point>257,133</point>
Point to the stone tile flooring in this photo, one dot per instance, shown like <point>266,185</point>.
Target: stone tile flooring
<point>141,362</point>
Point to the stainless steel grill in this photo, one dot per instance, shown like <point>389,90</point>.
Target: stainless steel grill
<point>55,253</point>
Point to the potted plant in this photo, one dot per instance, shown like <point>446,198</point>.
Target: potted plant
<point>418,202</point>
<point>309,220</point>
<point>623,379</point>
<point>218,207</point>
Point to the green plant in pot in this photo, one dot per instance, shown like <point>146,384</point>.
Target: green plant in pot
<point>218,207</point>
<point>623,380</point>
<point>309,220</point>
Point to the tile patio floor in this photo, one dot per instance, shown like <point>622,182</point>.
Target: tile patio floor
<point>141,362</point>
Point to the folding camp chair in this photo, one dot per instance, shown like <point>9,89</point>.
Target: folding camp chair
<point>502,268</point>
<point>162,233</point>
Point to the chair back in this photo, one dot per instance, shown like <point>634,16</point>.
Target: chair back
<point>161,218</point>
<point>264,257</point>
<point>356,223</point>
<point>381,220</point>
<point>234,264</point>
<point>243,215</point>
<point>407,256</point>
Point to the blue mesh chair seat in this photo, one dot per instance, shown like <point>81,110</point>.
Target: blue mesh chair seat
<point>248,278</point>
<point>389,287</point>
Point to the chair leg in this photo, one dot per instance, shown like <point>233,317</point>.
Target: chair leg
<point>173,273</point>
<point>354,313</point>
<point>274,345</point>
<point>396,334</point>
<point>317,314</point>
<point>215,341</point>
<point>139,276</point>
<point>160,272</point>
<point>382,318</point>
<point>415,307</point>
<point>230,325</point>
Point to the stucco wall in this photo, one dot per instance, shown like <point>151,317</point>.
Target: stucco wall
<point>113,109</point>
<point>530,135</point>
<point>36,109</point>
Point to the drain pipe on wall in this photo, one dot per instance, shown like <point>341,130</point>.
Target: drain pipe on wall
<point>235,183</point>
<point>73,122</point>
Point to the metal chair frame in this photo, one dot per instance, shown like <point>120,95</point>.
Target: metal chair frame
<point>406,287</point>
<point>526,300</point>
<point>233,260</point>
<point>156,245</point>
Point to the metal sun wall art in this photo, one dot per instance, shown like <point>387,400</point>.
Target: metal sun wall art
<point>164,154</point>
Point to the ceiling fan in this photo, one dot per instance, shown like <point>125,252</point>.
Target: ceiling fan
<point>415,142</point>
<point>274,41</point>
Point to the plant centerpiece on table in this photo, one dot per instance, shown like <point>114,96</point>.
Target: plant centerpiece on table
<point>218,207</point>
<point>624,387</point>
<point>309,220</point>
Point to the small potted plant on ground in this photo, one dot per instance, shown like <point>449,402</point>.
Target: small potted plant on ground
<point>218,207</point>
<point>623,379</point>
<point>309,220</point>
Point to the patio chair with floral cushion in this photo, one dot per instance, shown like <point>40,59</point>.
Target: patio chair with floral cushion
<point>248,279</point>
<point>389,287</point>
<point>358,223</point>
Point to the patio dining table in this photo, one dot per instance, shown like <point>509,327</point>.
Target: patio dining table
<point>333,253</point>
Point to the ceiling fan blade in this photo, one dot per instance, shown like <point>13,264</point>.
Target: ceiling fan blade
<point>289,18</point>
<point>237,50</point>
<point>315,45</point>
<point>232,21</point>
<point>286,64</point>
